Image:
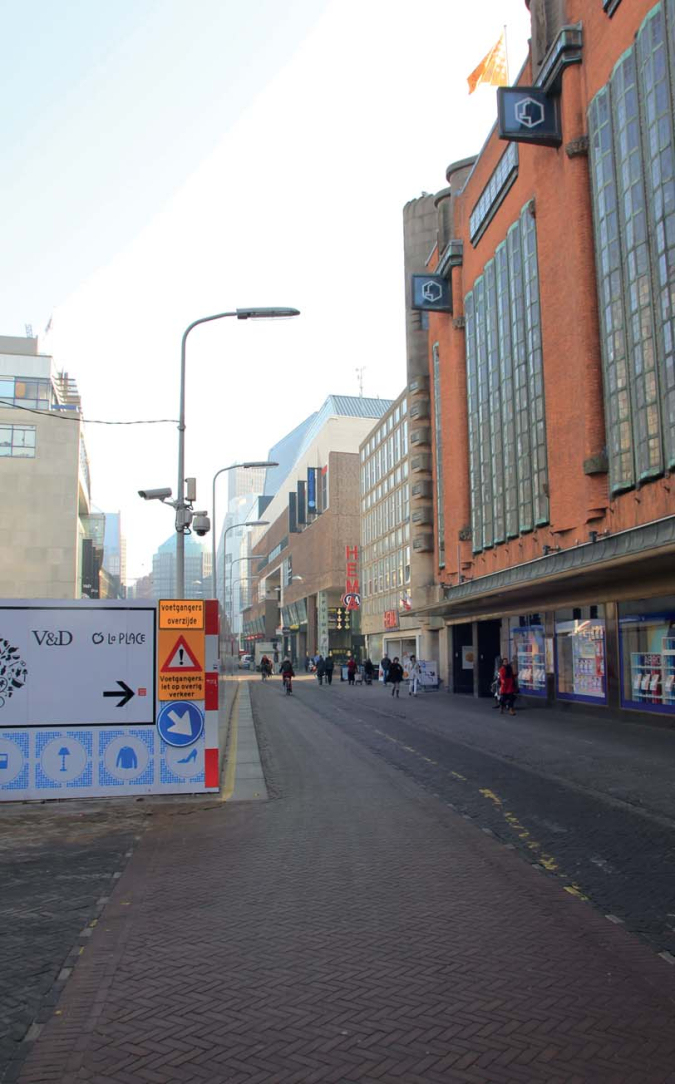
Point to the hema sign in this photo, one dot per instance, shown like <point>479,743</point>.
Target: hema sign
<point>529,115</point>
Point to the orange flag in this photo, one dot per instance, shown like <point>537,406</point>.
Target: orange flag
<point>492,69</point>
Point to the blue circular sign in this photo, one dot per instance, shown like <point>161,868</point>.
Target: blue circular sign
<point>180,723</point>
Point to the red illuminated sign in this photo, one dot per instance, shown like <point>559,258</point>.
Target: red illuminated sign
<point>352,595</point>
<point>391,619</point>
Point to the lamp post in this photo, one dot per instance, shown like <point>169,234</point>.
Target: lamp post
<point>256,557</point>
<point>182,521</point>
<point>246,466</point>
<point>249,523</point>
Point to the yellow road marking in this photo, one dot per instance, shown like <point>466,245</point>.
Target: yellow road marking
<point>458,776</point>
<point>574,890</point>
<point>230,772</point>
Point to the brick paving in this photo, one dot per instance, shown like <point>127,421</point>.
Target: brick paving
<point>351,929</point>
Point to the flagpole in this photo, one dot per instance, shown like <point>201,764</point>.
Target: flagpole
<point>506,54</point>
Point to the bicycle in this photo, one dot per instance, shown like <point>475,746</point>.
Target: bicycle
<point>288,684</point>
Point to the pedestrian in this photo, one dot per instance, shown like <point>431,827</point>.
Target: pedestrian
<point>395,675</point>
<point>351,670</point>
<point>307,662</point>
<point>384,667</point>
<point>414,672</point>
<point>320,668</point>
<point>368,670</point>
<point>507,688</point>
<point>329,666</point>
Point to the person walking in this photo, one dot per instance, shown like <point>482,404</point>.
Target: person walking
<point>307,662</point>
<point>414,672</point>
<point>320,669</point>
<point>329,666</point>
<point>351,670</point>
<point>507,688</point>
<point>368,670</point>
<point>395,675</point>
<point>384,666</point>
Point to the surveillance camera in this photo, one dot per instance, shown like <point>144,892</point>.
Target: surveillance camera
<point>154,494</point>
<point>201,524</point>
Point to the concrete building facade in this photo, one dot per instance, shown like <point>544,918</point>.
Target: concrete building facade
<point>44,476</point>
<point>553,377</point>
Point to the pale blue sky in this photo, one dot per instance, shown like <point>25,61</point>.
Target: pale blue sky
<point>168,159</point>
<point>107,108</point>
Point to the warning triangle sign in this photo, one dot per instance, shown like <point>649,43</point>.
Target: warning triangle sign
<point>182,659</point>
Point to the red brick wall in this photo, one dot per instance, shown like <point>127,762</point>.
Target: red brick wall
<point>558,183</point>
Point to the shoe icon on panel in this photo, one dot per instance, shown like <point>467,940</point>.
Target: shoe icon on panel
<point>188,758</point>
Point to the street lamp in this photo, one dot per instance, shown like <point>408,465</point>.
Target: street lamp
<point>246,466</point>
<point>182,510</point>
<point>249,523</point>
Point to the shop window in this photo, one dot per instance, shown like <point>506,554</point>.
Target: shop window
<point>581,671</point>
<point>528,652</point>
<point>647,655</point>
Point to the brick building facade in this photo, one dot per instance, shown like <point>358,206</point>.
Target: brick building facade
<point>554,376</point>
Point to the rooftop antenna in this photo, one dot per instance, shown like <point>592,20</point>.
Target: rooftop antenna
<point>359,377</point>
<point>29,331</point>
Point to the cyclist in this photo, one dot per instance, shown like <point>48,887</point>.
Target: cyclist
<point>287,674</point>
<point>265,667</point>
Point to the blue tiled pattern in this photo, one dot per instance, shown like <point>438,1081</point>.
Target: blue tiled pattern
<point>42,781</point>
<point>147,736</point>
<point>21,781</point>
<point>168,776</point>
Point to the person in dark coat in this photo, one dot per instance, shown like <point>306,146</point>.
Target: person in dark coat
<point>320,668</point>
<point>395,676</point>
<point>384,666</point>
<point>329,666</point>
<point>368,670</point>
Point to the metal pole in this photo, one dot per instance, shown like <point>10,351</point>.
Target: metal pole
<point>181,504</point>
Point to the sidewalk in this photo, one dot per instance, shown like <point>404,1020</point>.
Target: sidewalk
<point>352,929</point>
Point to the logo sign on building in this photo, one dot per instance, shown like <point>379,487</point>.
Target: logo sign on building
<point>181,665</point>
<point>529,115</point>
<point>178,613</point>
<point>391,619</point>
<point>431,293</point>
<point>352,593</point>
<point>76,665</point>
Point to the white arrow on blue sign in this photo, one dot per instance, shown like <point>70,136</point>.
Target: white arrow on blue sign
<point>180,723</point>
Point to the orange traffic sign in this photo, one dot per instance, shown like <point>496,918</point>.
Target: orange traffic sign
<point>181,665</point>
<point>180,613</point>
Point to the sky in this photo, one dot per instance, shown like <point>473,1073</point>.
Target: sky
<point>169,159</point>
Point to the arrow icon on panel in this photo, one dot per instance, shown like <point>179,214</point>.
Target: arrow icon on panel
<point>180,724</point>
<point>126,693</point>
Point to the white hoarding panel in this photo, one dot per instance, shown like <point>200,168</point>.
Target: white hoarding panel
<point>72,664</point>
<point>97,761</point>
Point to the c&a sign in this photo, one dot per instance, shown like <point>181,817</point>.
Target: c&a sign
<point>352,595</point>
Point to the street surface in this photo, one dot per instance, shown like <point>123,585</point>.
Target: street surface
<point>357,927</point>
<point>57,866</point>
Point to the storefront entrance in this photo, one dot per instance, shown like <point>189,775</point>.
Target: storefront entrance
<point>462,659</point>
<point>489,647</point>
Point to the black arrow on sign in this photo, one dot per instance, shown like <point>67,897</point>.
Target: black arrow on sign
<point>126,693</point>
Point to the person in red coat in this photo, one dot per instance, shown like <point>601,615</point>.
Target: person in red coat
<point>351,670</point>
<point>507,688</point>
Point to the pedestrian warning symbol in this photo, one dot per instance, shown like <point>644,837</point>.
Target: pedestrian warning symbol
<point>182,660</point>
<point>181,665</point>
